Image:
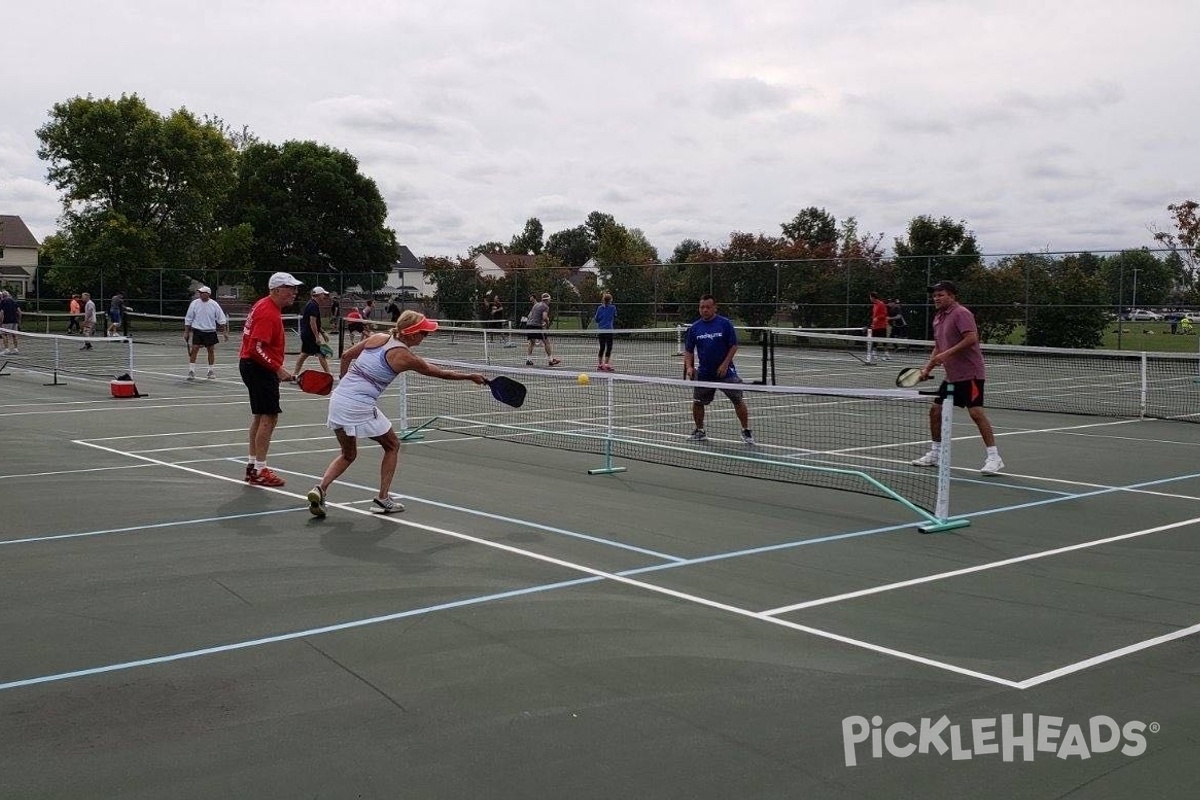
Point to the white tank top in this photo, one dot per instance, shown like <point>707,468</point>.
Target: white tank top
<point>369,374</point>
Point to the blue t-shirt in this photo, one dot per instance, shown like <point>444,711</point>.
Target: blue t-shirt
<point>711,342</point>
<point>605,316</point>
<point>311,309</point>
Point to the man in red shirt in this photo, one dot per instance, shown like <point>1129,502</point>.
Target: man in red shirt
<point>879,326</point>
<point>956,348</point>
<point>261,365</point>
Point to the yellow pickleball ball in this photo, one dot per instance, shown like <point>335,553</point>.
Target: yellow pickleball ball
<point>583,379</point>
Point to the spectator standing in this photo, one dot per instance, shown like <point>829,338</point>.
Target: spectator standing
<point>261,366</point>
<point>89,320</point>
<point>201,324</point>
<point>10,323</point>
<point>75,309</point>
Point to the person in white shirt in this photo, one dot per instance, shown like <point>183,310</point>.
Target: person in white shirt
<point>201,325</point>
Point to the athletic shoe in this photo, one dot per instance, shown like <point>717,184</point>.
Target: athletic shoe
<point>529,362</point>
<point>554,362</point>
<point>991,466</point>
<point>747,436</point>
<point>316,501</point>
<point>386,506</point>
<point>212,375</point>
<point>266,477</point>
<point>250,473</point>
<point>698,435</point>
<point>14,352</point>
<point>930,459</point>
<point>191,375</point>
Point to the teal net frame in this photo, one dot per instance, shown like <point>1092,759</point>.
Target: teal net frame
<point>598,431</point>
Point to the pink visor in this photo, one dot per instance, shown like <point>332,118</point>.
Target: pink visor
<point>424,324</point>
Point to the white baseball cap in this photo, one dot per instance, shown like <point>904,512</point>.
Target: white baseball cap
<point>319,290</point>
<point>545,295</point>
<point>282,279</point>
<point>204,290</point>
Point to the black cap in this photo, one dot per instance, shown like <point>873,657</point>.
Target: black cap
<point>944,286</point>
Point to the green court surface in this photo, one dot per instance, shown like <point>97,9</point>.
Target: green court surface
<point>525,629</point>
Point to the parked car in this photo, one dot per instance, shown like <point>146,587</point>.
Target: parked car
<point>1141,315</point>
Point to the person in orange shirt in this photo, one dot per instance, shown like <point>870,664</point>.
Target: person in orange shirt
<point>260,363</point>
<point>76,310</point>
<point>879,326</point>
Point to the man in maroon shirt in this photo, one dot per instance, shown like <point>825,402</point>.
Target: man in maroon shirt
<point>956,348</point>
<point>260,363</point>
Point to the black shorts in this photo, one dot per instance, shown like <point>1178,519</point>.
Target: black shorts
<point>535,334</point>
<point>705,396</point>
<point>204,338</point>
<point>967,394</point>
<point>263,386</point>
<point>879,333</point>
<point>310,347</point>
<point>355,327</point>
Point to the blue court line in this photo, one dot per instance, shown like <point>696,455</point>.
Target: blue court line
<point>151,526</point>
<point>285,637</point>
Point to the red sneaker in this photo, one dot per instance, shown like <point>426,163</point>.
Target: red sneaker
<point>267,477</point>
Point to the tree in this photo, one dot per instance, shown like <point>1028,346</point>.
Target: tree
<point>312,211</point>
<point>1069,311</point>
<point>457,285</point>
<point>754,270</point>
<point>994,295</point>
<point>486,247</point>
<point>1185,242</point>
<point>626,260</point>
<point>140,191</point>
<point>596,222</point>
<point>813,227</point>
<point>684,250</point>
<point>529,241</point>
<point>572,247</point>
<point>1136,271</point>
<point>934,250</point>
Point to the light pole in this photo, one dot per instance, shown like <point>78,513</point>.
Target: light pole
<point>1134,301</point>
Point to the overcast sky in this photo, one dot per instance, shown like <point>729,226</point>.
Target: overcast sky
<point>1056,124</point>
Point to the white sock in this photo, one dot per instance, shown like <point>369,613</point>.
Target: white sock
<point>993,452</point>
<point>258,465</point>
<point>935,448</point>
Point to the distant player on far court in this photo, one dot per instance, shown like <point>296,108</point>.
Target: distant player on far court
<point>956,347</point>
<point>712,341</point>
<point>203,320</point>
<point>367,369</point>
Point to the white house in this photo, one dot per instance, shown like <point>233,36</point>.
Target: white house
<point>408,276</point>
<point>18,255</point>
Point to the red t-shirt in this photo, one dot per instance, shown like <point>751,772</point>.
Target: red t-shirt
<point>949,328</point>
<point>262,337</point>
<point>878,315</point>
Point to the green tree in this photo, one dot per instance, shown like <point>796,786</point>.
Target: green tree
<point>572,247</point>
<point>529,241</point>
<point>752,266</point>
<point>456,285</point>
<point>140,191</point>
<point>1130,270</point>
<point>995,295</point>
<point>486,247</point>
<point>626,260</point>
<point>312,211</point>
<point>1070,304</point>
<point>596,223</point>
<point>935,250</point>
<point>684,250</point>
<point>1185,241</point>
<point>812,227</point>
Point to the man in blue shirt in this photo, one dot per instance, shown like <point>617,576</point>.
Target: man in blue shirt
<point>712,342</point>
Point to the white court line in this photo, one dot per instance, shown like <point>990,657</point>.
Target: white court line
<point>1111,655</point>
<point>649,587</point>
<point>978,568</point>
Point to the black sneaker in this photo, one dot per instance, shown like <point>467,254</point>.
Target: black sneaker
<point>250,473</point>
<point>386,506</point>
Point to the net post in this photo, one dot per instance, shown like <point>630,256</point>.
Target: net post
<point>679,329</point>
<point>941,510</point>
<point>406,434</point>
<point>608,468</point>
<point>1145,387</point>
<point>487,335</point>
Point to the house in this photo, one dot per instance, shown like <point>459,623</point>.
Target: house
<point>407,276</point>
<point>18,255</point>
<point>497,265</point>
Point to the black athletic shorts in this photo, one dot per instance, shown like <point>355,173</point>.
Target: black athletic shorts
<point>310,347</point>
<point>204,338</point>
<point>263,385</point>
<point>967,394</point>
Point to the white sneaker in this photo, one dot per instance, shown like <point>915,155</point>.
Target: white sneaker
<point>991,466</point>
<point>212,374</point>
<point>930,459</point>
<point>191,375</point>
<point>5,352</point>
<point>698,435</point>
<point>388,506</point>
<point>747,437</point>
